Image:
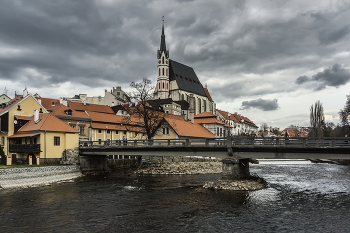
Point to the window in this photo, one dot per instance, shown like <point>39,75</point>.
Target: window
<point>108,131</point>
<point>99,141</point>
<point>99,130</point>
<point>116,132</point>
<point>2,140</point>
<point>56,141</point>
<point>165,130</point>
<point>82,130</point>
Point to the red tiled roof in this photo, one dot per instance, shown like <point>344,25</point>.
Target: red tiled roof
<point>187,129</point>
<point>47,122</point>
<point>105,117</point>
<point>60,111</point>
<point>208,94</point>
<point>205,114</point>
<point>4,107</point>
<point>90,107</point>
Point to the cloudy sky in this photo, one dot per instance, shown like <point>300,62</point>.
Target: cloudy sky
<point>267,60</point>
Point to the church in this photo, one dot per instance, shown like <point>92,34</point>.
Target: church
<point>179,83</point>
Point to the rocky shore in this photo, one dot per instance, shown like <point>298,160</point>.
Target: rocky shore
<point>182,168</point>
<point>37,176</point>
<point>190,168</point>
<point>237,185</point>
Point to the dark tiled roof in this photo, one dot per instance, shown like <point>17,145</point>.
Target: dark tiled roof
<point>186,78</point>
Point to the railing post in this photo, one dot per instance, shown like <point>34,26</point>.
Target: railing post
<point>168,142</point>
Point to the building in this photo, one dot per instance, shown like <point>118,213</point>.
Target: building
<point>240,125</point>
<point>4,98</point>
<point>112,98</point>
<point>175,127</point>
<point>179,82</point>
<point>212,123</point>
<point>30,135</point>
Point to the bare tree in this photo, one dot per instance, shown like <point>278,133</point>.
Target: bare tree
<point>344,117</point>
<point>317,120</point>
<point>264,127</point>
<point>142,111</point>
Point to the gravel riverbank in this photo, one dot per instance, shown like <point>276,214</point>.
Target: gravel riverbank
<point>37,176</point>
<point>190,168</point>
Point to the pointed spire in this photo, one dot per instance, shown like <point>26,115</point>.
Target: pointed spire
<point>162,38</point>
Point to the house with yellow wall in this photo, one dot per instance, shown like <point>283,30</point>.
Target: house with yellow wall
<point>32,145</point>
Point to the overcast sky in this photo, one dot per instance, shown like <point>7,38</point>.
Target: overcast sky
<point>266,60</point>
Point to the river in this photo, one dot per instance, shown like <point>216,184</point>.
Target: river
<point>300,198</point>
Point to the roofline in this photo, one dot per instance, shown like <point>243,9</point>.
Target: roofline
<point>24,98</point>
<point>72,117</point>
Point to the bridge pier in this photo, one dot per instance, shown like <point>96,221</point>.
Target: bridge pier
<point>235,169</point>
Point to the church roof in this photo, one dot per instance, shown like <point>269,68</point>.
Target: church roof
<point>185,77</point>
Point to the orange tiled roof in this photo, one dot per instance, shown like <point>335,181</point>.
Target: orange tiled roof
<point>105,117</point>
<point>107,126</point>
<point>60,111</point>
<point>20,117</point>
<point>187,129</point>
<point>208,94</point>
<point>90,107</point>
<point>49,104</point>
<point>9,105</point>
<point>47,122</point>
<point>205,114</point>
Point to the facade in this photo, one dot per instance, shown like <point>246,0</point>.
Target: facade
<point>175,127</point>
<point>179,82</point>
<point>240,125</point>
<point>4,98</point>
<point>112,98</point>
<point>29,134</point>
<point>212,123</point>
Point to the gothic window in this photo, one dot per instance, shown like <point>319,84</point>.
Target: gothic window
<point>163,71</point>
<point>199,106</point>
<point>158,85</point>
<point>204,106</point>
<point>182,97</point>
<point>163,60</point>
<point>167,74</point>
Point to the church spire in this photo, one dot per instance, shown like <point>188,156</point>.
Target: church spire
<point>162,38</point>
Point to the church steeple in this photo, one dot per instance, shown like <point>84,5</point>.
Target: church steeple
<point>162,39</point>
<point>162,47</point>
<point>163,84</point>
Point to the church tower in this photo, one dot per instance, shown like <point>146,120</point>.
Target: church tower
<point>163,84</point>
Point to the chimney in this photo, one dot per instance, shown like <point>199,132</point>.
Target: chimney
<point>84,102</point>
<point>191,109</point>
<point>63,101</point>
<point>25,92</point>
<point>112,104</point>
<point>36,116</point>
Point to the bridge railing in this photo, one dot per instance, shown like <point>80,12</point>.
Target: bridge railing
<point>223,142</point>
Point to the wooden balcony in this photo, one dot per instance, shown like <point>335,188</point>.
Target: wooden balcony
<point>24,148</point>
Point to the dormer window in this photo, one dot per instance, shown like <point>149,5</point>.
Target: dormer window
<point>19,108</point>
<point>68,112</point>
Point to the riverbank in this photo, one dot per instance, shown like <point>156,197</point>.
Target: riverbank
<point>191,168</point>
<point>37,176</point>
<point>182,168</point>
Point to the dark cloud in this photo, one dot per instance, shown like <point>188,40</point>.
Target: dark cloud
<point>333,35</point>
<point>265,105</point>
<point>335,76</point>
<point>302,79</point>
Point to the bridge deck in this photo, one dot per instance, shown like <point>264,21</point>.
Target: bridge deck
<point>291,148</point>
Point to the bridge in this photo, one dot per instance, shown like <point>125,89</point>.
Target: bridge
<point>235,151</point>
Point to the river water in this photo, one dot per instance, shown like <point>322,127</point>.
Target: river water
<point>300,198</point>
